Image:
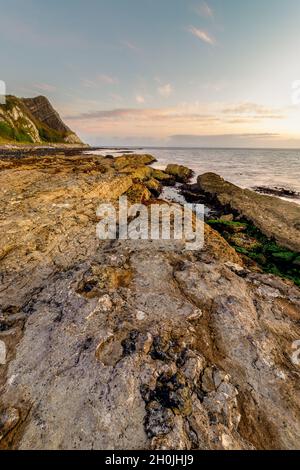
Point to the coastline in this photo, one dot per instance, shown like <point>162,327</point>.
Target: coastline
<point>97,324</point>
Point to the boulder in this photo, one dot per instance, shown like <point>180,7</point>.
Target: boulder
<point>131,160</point>
<point>181,173</point>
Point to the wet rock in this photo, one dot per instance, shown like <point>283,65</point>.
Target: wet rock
<point>276,191</point>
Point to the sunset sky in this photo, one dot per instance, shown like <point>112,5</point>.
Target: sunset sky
<point>160,72</point>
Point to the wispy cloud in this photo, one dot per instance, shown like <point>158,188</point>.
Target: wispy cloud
<point>45,87</point>
<point>253,110</point>
<point>202,35</point>
<point>130,45</point>
<point>100,79</point>
<point>179,114</point>
<point>204,9</point>
<point>165,90</point>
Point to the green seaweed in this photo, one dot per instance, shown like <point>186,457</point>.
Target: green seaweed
<point>270,256</point>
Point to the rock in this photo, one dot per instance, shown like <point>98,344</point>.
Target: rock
<point>8,420</point>
<point>163,177</point>
<point>140,315</point>
<point>181,173</point>
<point>144,343</point>
<point>275,217</point>
<point>281,192</point>
<point>141,173</point>
<point>195,315</point>
<point>193,367</point>
<point>133,160</point>
<point>105,304</point>
<point>207,380</point>
<point>154,186</point>
<point>236,268</point>
<point>138,194</point>
<point>180,350</point>
<point>227,217</point>
<point>159,420</point>
<point>2,353</point>
<point>110,189</point>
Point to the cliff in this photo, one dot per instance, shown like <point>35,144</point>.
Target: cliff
<point>33,121</point>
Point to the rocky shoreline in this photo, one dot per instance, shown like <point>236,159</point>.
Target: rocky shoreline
<point>144,345</point>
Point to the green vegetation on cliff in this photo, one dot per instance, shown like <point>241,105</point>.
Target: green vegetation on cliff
<point>32,121</point>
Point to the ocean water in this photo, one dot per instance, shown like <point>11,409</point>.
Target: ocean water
<point>244,167</point>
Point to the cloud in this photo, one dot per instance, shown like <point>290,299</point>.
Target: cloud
<point>140,99</point>
<point>245,140</point>
<point>202,35</point>
<point>204,10</point>
<point>165,90</point>
<point>45,87</point>
<point>252,110</point>
<point>108,79</point>
<point>176,115</point>
<point>130,45</point>
<point>100,79</point>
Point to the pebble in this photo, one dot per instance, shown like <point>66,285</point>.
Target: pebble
<point>140,315</point>
<point>2,353</point>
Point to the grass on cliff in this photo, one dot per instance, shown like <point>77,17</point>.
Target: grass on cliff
<point>270,256</point>
<point>8,133</point>
<point>19,133</point>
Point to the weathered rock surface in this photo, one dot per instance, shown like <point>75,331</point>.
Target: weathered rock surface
<point>133,344</point>
<point>275,217</point>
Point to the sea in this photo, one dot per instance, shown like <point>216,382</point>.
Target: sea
<point>246,168</point>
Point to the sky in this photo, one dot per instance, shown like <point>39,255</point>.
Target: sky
<point>215,73</point>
